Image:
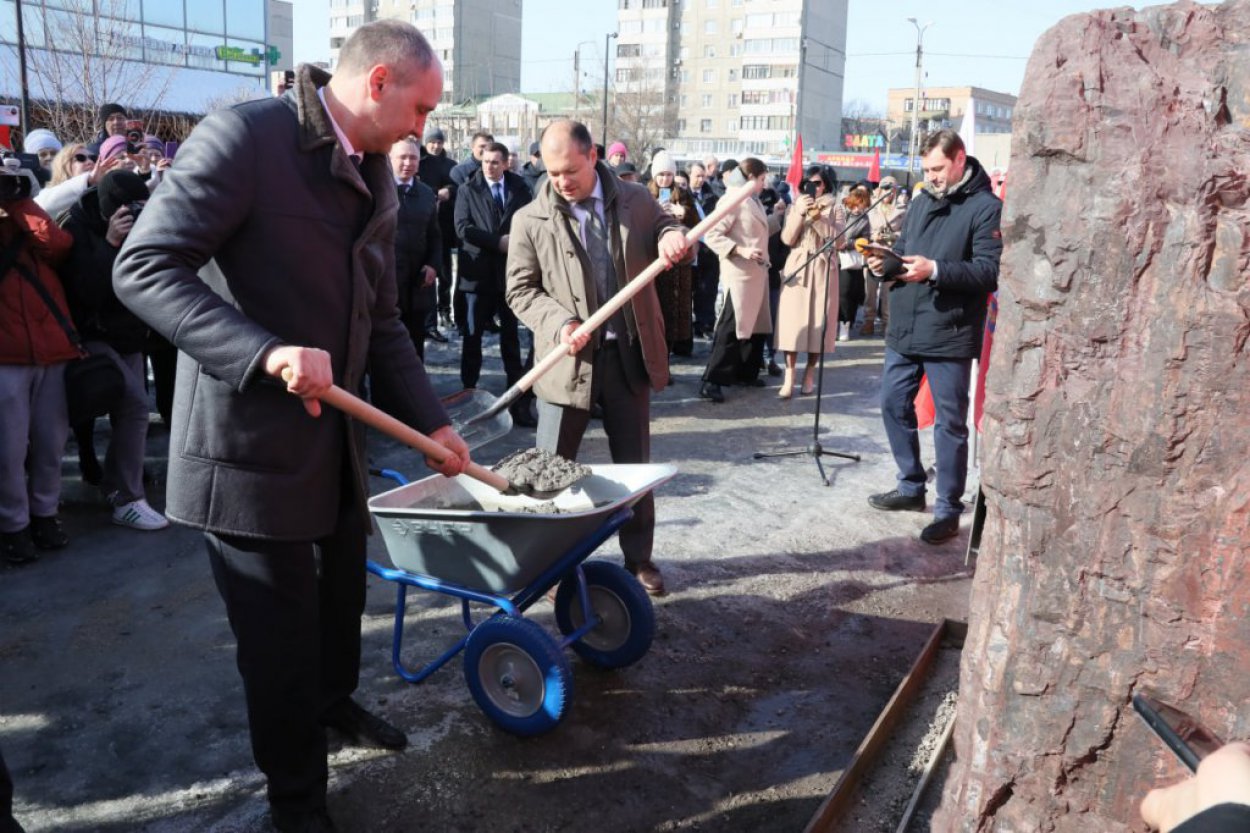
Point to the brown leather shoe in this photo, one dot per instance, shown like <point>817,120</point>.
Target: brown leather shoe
<point>650,578</point>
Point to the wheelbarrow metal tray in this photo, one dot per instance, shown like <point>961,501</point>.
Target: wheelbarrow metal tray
<point>460,531</point>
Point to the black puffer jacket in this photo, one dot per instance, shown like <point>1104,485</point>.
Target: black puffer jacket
<point>87,275</point>
<point>945,318</point>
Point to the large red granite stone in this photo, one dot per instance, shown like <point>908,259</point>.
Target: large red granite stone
<point>1117,449</point>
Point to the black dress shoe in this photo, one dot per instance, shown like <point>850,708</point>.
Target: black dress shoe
<point>364,728</point>
<point>302,821</point>
<point>47,533</point>
<point>774,369</point>
<point>435,335</point>
<point>940,530</point>
<point>712,391</point>
<point>896,501</point>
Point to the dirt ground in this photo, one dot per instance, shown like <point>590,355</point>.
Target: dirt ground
<point>793,612</point>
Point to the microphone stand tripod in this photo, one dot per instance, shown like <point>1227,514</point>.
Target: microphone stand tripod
<point>815,449</point>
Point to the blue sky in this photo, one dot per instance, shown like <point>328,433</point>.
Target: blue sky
<point>983,43</point>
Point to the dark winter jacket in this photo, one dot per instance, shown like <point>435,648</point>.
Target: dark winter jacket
<point>88,277</point>
<point>944,318</point>
<point>463,172</point>
<point>533,175</point>
<point>480,224</point>
<point>418,243</point>
<point>29,332</point>
<point>435,171</point>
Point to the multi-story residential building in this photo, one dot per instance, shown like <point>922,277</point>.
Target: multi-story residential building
<point>732,77</point>
<point>166,55</point>
<point>945,107</point>
<point>478,41</point>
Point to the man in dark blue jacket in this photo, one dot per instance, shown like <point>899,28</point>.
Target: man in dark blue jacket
<point>484,209</point>
<point>949,246</point>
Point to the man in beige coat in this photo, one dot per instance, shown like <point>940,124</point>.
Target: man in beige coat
<point>584,236</point>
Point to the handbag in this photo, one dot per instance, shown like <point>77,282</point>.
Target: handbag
<point>850,259</point>
<point>94,384</point>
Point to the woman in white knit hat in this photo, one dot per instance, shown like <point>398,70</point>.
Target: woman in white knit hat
<point>44,144</point>
<point>674,286</point>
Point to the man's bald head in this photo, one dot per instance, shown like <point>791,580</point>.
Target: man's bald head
<point>569,155</point>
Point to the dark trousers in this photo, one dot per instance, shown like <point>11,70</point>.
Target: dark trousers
<point>417,323</point>
<point>706,276</point>
<point>948,380</point>
<point>295,611</point>
<point>442,292</point>
<point>851,293</point>
<point>163,357</point>
<point>733,360</point>
<point>626,421</point>
<point>8,824</point>
<point>481,308</point>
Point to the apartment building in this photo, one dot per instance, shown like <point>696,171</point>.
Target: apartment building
<point>478,41</point>
<point>945,107</point>
<point>735,77</point>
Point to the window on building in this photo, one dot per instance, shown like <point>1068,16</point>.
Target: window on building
<point>756,71</point>
<point>656,25</point>
<point>709,51</point>
<point>245,19</point>
<point>705,101</point>
<point>731,126</point>
<point>631,27</point>
<point>681,125</point>
<point>655,4</point>
<point>735,26</point>
<point>709,76</point>
<point>163,13</point>
<point>733,75</point>
<point>628,50</point>
<point>705,125</point>
<point>684,53</point>
<point>164,46</point>
<point>684,101</point>
<point>685,76</point>
<point>732,100</point>
<point>206,17</point>
<point>709,27</point>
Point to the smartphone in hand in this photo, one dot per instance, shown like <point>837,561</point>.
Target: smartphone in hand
<point>1188,739</point>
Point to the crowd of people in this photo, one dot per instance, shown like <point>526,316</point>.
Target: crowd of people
<point>96,284</point>
<point>70,351</point>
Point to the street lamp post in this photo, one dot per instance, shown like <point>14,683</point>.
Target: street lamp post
<point>577,79</point>
<point>915,102</point>
<point>21,69</point>
<point>603,137</point>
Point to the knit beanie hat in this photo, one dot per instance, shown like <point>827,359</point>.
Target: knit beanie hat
<point>112,146</point>
<point>662,163</point>
<point>153,143</point>
<point>40,139</point>
<point>617,147</point>
<point>107,110</point>
<point>119,188</point>
<point>433,134</point>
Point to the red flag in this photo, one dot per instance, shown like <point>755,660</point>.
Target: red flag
<point>991,321</point>
<point>926,411</point>
<point>5,138</point>
<point>874,173</point>
<point>795,175</point>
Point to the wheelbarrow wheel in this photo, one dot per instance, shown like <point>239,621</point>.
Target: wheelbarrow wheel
<point>627,620</point>
<point>518,675</point>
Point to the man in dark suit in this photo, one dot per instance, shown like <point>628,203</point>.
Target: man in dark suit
<point>484,208</point>
<point>268,254</point>
<point>435,170</point>
<point>418,243</point>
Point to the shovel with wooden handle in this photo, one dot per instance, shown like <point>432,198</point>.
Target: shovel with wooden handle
<point>727,203</point>
<point>358,409</point>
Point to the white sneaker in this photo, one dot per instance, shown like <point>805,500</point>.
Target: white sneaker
<point>139,515</point>
<point>844,331</point>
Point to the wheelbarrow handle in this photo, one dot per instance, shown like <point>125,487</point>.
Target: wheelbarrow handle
<point>357,408</point>
<point>730,201</point>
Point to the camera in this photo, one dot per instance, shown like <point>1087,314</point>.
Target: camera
<point>809,187</point>
<point>134,208</point>
<point>134,135</point>
<point>17,182</point>
<point>768,198</point>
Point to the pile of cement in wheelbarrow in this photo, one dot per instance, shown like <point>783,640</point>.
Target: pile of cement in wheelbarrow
<point>533,470</point>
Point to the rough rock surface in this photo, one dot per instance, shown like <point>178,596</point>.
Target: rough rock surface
<point>1116,468</point>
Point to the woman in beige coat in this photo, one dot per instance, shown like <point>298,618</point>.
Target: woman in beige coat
<point>741,242</point>
<point>806,303</point>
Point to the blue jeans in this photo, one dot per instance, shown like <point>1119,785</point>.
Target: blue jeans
<point>948,380</point>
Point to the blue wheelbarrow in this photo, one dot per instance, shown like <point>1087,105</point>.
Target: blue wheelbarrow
<point>459,537</point>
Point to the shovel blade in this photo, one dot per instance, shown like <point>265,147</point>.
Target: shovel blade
<point>466,408</point>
